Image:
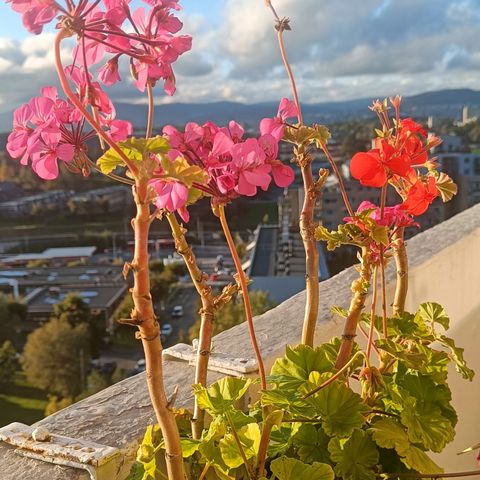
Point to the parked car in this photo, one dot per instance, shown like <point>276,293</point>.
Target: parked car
<point>166,329</point>
<point>177,311</point>
<point>105,368</point>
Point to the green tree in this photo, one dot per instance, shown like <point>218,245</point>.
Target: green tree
<point>233,313</point>
<point>12,317</point>
<point>160,284</point>
<point>96,382</point>
<point>56,404</point>
<point>72,309</point>
<point>55,357</point>
<point>156,266</point>
<point>124,308</point>
<point>178,269</point>
<point>8,361</point>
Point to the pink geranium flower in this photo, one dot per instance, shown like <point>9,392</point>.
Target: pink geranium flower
<point>248,159</point>
<point>172,196</point>
<point>45,158</point>
<point>276,126</point>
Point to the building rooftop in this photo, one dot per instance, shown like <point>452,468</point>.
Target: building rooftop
<point>97,297</point>
<point>52,254</point>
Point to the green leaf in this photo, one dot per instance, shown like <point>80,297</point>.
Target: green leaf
<point>336,238</point>
<point>388,433</point>
<point>109,161</point>
<point>189,446</point>
<point>180,170</point>
<point>220,397</point>
<point>249,437</point>
<point>135,149</point>
<point>340,408</point>
<point>137,472</point>
<point>211,453</point>
<point>456,354</point>
<point>415,360</point>
<point>380,234</point>
<point>418,460</point>
<point>433,313</point>
<point>285,468</point>
<point>293,370</point>
<point>423,388</point>
<point>427,412</point>
<point>311,444</point>
<point>289,400</point>
<point>141,146</point>
<point>342,312</point>
<point>355,457</point>
<point>446,186</point>
<point>281,438</point>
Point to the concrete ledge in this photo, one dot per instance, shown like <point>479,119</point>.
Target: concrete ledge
<point>444,264</point>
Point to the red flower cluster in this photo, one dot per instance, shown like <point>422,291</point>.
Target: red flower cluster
<point>399,152</point>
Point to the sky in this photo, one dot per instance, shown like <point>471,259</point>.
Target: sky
<point>339,50</point>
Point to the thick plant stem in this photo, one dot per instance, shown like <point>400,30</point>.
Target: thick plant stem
<point>307,231</point>
<point>149,333</point>
<point>372,312</point>
<point>359,290</point>
<point>143,314</point>
<point>401,262</point>
<point>149,130</point>
<point>382,266</point>
<point>262,449</point>
<point>242,280</point>
<point>307,226</point>
<point>207,313</point>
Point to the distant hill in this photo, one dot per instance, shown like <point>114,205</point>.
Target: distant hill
<point>442,103</point>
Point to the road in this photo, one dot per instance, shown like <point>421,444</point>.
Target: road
<point>188,298</point>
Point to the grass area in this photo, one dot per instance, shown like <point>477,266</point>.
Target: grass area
<point>20,402</point>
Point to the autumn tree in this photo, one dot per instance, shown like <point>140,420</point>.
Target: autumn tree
<point>8,361</point>
<point>73,309</point>
<point>55,357</point>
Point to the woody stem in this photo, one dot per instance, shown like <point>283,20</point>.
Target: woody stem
<point>242,279</point>
<point>149,333</point>
<point>207,313</point>
<point>360,291</point>
<point>149,130</point>
<point>401,263</point>
<point>306,218</point>
<point>382,265</point>
<point>372,313</point>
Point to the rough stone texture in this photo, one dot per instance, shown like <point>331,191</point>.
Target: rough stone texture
<point>118,415</point>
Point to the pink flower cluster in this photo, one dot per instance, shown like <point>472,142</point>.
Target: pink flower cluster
<point>235,165</point>
<point>392,216</point>
<point>48,129</point>
<point>111,28</point>
<point>35,13</point>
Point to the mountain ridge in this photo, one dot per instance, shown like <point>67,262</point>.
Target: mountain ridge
<point>439,103</point>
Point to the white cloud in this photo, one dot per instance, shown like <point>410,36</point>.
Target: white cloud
<point>339,50</point>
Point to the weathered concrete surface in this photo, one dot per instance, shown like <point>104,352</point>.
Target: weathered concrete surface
<point>444,267</point>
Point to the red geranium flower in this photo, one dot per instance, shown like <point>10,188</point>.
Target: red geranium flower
<point>374,167</point>
<point>420,196</point>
